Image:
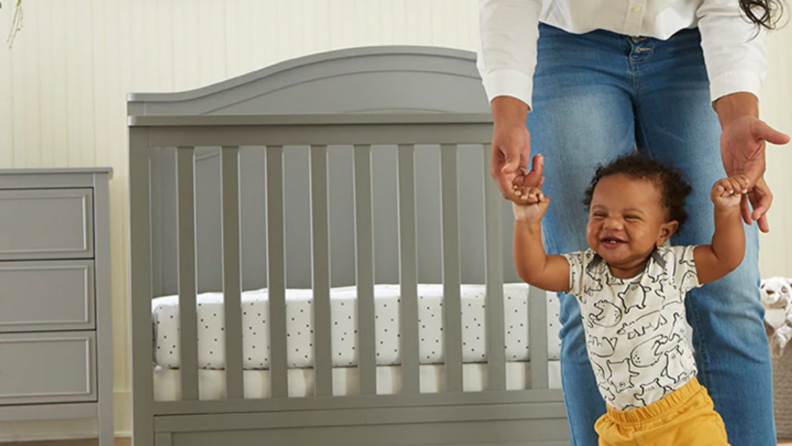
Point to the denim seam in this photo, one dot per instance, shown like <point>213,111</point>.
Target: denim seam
<point>633,78</point>
<point>639,126</point>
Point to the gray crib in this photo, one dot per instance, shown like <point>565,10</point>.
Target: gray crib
<point>362,170</point>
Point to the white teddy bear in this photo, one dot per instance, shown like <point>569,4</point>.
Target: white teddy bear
<point>776,297</point>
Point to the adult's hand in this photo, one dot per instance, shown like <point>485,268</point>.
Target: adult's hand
<point>511,148</point>
<point>743,145</point>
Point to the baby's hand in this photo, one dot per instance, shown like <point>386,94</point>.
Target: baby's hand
<point>531,205</point>
<point>728,192</point>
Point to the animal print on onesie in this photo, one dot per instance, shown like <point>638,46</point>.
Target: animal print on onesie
<point>635,328</point>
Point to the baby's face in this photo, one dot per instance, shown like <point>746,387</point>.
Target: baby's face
<point>626,220</point>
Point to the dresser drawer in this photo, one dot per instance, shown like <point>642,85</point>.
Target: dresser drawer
<point>47,367</point>
<point>46,224</point>
<point>51,295</point>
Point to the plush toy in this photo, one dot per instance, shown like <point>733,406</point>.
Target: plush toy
<point>776,297</point>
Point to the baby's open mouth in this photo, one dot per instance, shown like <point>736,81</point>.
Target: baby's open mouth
<point>611,242</point>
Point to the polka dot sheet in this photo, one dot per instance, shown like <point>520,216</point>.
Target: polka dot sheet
<point>300,333</point>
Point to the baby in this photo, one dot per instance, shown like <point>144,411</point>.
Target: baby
<point>631,287</point>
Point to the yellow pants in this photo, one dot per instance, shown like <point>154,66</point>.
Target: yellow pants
<point>684,417</point>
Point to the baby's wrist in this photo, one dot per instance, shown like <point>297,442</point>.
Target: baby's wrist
<point>728,208</point>
<point>528,222</point>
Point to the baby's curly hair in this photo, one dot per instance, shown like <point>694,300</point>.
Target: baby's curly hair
<point>672,184</point>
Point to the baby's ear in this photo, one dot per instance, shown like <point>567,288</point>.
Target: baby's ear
<point>667,229</point>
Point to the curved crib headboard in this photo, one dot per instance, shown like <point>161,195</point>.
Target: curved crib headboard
<point>389,79</point>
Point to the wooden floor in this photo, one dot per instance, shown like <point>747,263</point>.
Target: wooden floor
<point>128,442</point>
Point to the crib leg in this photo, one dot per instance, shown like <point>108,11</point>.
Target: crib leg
<point>105,428</point>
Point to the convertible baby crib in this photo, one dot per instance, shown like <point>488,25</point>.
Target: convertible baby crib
<point>320,257</point>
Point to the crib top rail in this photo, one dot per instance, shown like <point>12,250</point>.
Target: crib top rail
<point>335,119</point>
<point>321,129</point>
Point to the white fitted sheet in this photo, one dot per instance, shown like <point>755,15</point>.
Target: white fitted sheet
<point>211,383</point>
<point>299,310</point>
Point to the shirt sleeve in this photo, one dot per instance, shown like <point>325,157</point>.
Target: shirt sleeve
<point>576,269</point>
<point>506,56</point>
<point>734,49</point>
<point>685,274</point>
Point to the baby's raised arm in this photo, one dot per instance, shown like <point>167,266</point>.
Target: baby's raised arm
<point>534,266</point>
<point>727,249</point>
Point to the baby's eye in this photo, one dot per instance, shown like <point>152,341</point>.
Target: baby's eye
<point>599,214</point>
<point>631,217</point>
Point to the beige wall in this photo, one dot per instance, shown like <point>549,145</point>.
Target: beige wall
<point>63,87</point>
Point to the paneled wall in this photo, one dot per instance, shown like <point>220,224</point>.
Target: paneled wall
<point>64,81</point>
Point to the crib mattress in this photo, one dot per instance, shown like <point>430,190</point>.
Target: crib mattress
<point>300,335</point>
<point>211,383</point>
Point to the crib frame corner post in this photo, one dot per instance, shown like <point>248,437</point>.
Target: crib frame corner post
<point>140,286</point>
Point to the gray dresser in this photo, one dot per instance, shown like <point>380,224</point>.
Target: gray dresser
<point>56,352</point>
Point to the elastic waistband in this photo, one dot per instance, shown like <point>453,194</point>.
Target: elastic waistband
<point>668,403</point>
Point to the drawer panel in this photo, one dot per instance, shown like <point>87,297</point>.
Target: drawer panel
<point>51,295</point>
<point>47,367</point>
<point>46,224</point>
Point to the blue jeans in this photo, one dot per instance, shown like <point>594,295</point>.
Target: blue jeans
<point>597,96</point>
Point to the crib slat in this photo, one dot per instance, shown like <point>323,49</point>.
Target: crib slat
<point>187,283</point>
<point>452,319</point>
<point>537,337</point>
<point>365,271</point>
<point>496,339</point>
<point>232,278</point>
<point>408,257</point>
<point>276,277</point>
<point>321,272</point>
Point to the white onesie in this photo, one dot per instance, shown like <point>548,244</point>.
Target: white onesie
<point>635,328</point>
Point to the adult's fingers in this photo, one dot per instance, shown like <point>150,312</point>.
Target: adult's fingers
<point>761,199</point>
<point>764,226</point>
<point>745,210</point>
<point>763,131</point>
<point>524,158</point>
<point>510,149</point>
<point>535,176</point>
<point>511,163</point>
<point>500,174</point>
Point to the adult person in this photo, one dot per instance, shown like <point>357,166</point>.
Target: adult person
<point>583,81</point>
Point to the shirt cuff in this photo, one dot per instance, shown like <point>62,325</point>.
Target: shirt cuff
<point>512,83</point>
<point>735,81</point>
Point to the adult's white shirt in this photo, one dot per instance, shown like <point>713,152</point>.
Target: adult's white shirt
<point>734,48</point>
